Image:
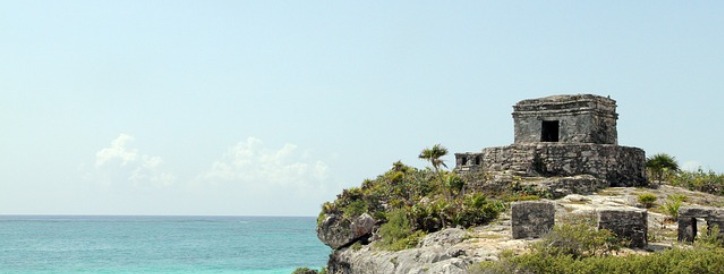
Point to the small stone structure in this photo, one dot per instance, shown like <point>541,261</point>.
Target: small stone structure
<point>581,118</point>
<point>687,221</point>
<point>562,136</point>
<point>628,224</point>
<point>532,219</point>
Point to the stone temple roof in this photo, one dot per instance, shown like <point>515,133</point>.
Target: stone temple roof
<point>566,97</point>
<point>567,102</point>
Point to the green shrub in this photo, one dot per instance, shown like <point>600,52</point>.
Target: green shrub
<point>320,218</point>
<point>305,270</point>
<point>397,233</point>
<point>454,183</point>
<point>477,210</point>
<point>578,240</point>
<point>354,209</point>
<point>712,238</point>
<point>672,205</point>
<point>470,210</point>
<point>708,182</point>
<point>675,260</point>
<point>647,199</point>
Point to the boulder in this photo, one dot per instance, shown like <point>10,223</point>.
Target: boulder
<point>336,231</point>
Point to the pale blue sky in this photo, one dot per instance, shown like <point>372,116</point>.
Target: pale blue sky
<point>272,107</point>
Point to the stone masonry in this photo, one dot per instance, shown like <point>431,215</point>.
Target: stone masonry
<point>582,118</point>
<point>563,136</point>
<point>627,224</point>
<point>532,219</point>
<point>687,221</point>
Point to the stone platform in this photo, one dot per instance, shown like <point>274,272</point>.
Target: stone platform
<point>617,165</point>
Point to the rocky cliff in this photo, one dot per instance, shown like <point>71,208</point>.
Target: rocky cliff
<point>455,250</point>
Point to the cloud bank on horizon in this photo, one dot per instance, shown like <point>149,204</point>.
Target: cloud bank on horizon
<point>250,162</point>
<point>119,162</point>
<point>246,168</point>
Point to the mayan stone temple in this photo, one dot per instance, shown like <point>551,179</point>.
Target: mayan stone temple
<point>567,142</point>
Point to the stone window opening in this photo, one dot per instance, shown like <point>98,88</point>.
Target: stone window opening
<point>464,161</point>
<point>477,160</point>
<point>549,131</point>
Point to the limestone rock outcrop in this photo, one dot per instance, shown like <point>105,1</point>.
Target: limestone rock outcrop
<point>439,252</point>
<point>336,231</point>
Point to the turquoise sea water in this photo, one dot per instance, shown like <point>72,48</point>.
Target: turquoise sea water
<point>111,244</point>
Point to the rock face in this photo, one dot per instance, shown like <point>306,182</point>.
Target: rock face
<point>337,232</point>
<point>439,252</point>
<point>532,219</point>
<point>628,224</point>
<point>454,250</point>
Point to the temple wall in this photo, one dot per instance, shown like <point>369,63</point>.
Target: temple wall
<point>617,165</point>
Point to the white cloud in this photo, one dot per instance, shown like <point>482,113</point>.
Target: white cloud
<point>120,162</point>
<point>251,163</point>
<point>117,150</point>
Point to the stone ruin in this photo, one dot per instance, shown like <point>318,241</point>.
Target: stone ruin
<point>688,218</point>
<point>563,136</point>
<point>627,224</point>
<point>532,219</point>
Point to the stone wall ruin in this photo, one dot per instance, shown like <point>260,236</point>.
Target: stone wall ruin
<point>562,136</point>
<point>687,221</point>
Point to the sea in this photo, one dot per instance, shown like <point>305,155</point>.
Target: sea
<point>159,244</point>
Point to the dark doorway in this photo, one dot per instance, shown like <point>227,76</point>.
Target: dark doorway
<point>693,229</point>
<point>549,132</point>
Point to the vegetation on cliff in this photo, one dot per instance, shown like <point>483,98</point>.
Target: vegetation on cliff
<point>409,202</point>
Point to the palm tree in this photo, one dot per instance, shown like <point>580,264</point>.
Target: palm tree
<point>433,155</point>
<point>661,163</point>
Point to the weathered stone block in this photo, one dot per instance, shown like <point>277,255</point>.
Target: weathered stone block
<point>628,224</point>
<point>532,219</point>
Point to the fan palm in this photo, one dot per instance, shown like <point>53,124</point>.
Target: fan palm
<point>661,163</point>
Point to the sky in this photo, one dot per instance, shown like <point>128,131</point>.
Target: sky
<point>273,107</point>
